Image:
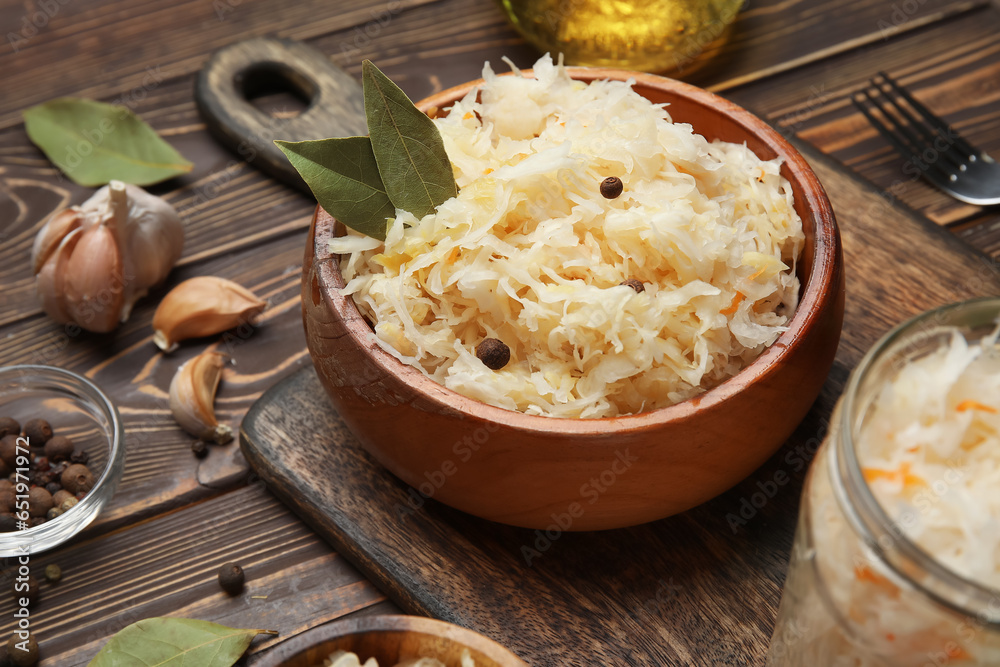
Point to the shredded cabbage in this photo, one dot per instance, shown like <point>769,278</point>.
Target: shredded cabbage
<point>929,449</point>
<point>531,253</point>
<point>346,659</point>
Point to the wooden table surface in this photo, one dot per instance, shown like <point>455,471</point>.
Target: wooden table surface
<point>175,519</point>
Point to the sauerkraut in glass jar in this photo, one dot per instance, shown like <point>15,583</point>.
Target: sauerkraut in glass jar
<point>896,560</point>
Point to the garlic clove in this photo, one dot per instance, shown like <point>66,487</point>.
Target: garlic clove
<point>52,234</point>
<point>93,281</point>
<point>50,281</point>
<point>192,397</point>
<point>202,306</point>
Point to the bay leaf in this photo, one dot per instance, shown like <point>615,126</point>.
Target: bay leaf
<point>344,178</point>
<point>408,148</point>
<point>94,143</point>
<point>175,642</point>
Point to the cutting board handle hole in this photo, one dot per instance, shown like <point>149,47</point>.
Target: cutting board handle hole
<point>276,89</point>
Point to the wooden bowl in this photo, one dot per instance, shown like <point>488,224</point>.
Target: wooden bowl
<point>586,474</point>
<point>390,639</point>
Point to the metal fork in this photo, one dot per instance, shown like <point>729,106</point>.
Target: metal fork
<point>931,147</point>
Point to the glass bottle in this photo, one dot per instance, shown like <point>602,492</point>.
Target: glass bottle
<point>859,593</point>
<point>645,35</point>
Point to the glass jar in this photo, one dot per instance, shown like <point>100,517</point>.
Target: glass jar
<point>859,592</point>
<point>646,35</point>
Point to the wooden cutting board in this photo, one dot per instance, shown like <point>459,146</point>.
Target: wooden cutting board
<point>701,588</point>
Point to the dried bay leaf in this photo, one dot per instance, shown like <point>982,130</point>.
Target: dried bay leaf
<point>402,164</point>
<point>175,642</point>
<point>344,178</point>
<point>408,148</point>
<point>94,143</point>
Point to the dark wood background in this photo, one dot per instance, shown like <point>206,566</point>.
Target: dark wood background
<point>175,519</point>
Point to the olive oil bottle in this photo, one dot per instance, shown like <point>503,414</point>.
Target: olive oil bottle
<point>646,35</point>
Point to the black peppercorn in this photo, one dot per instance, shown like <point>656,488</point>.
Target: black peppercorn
<point>8,450</point>
<point>8,498</point>
<point>80,456</point>
<point>77,479</point>
<point>8,524</point>
<point>53,488</point>
<point>25,587</point>
<point>634,284</point>
<point>53,573</point>
<point>59,448</point>
<point>200,449</point>
<point>9,426</point>
<point>493,353</point>
<point>22,653</point>
<point>38,432</point>
<point>39,501</point>
<point>611,187</point>
<point>231,578</point>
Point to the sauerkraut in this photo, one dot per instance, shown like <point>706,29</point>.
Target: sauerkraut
<point>346,659</point>
<point>532,254</point>
<point>929,450</point>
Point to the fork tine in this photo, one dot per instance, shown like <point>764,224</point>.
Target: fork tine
<point>932,172</point>
<point>940,125</point>
<point>930,134</point>
<point>916,145</point>
<point>898,143</point>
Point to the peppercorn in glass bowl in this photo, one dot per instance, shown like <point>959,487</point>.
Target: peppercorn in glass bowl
<point>71,427</point>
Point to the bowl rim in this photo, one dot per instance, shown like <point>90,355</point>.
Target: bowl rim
<point>344,627</point>
<point>822,280</point>
<point>85,511</point>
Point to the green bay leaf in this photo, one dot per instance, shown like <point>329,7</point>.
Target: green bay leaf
<point>344,178</point>
<point>407,146</point>
<point>175,642</point>
<point>94,143</point>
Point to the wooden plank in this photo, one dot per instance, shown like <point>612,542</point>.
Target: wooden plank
<point>120,47</point>
<point>700,588</point>
<point>168,567</point>
<point>982,232</point>
<point>123,48</point>
<point>161,473</point>
<point>952,68</point>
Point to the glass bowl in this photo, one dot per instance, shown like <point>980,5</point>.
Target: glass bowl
<point>77,409</point>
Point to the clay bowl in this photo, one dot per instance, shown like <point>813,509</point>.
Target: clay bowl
<point>390,639</point>
<point>586,474</point>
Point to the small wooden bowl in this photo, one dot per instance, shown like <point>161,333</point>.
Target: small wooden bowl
<point>390,639</point>
<point>587,474</point>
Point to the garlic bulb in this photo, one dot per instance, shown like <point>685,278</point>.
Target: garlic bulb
<point>94,261</point>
